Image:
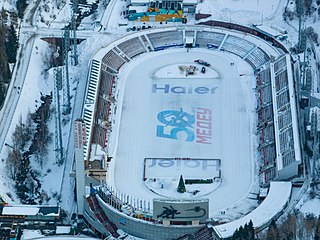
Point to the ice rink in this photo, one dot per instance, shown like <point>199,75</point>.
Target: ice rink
<point>162,113</point>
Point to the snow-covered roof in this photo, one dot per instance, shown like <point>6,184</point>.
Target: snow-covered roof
<point>269,208</point>
<point>276,110</point>
<point>139,2</point>
<point>20,210</point>
<point>138,9</point>
<point>190,1</point>
<point>263,192</point>
<point>31,210</point>
<point>269,30</point>
<point>63,229</point>
<point>189,40</point>
<point>96,152</point>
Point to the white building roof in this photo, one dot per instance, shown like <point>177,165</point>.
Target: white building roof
<point>138,9</point>
<point>189,40</point>
<point>278,197</point>
<point>63,229</point>
<point>292,104</point>
<point>190,2</point>
<point>20,210</point>
<point>139,2</point>
<point>269,30</point>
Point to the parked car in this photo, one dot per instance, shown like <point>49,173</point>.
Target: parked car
<point>203,70</point>
<point>201,62</point>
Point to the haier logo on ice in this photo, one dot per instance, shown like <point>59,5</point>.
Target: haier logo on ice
<point>167,88</point>
<point>177,124</point>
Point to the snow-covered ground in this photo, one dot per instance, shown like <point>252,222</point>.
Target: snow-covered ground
<point>242,11</point>
<point>35,81</point>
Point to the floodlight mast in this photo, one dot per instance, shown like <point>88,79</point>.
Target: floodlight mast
<point>58,132</point>
<point>65,78</point>
<point>74,30</point>
<point>302,37</point>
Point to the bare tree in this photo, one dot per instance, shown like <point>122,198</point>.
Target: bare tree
<point>21,135</point>
<point>310,223</point>
<point>48,57</point>
<point>288,227</point>
<point>12,163</point>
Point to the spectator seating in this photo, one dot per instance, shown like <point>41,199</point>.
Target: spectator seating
<point>113,60</point>
<point>284,119</point>
<point>257,57</point>
<point>283,99</point>
<point>204,38</point>
<point>265,126</point>
<point>132,47</point>
<point>281,81</point>
<point>280,65</point>
<point>286,140</point>
<point>265,95</point>
<point>265,115</point>
<point>237,45</point>
<point>160,40</point>
<point>146,42</point>
<point>269,174</point>
<point>99,135</point>
<point>288,157</point>
<point>284,114</point>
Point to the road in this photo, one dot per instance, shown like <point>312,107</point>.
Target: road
<point>32,8</point>
<point>16,85</point>
<point>281,5</point>
<point>107,14</point>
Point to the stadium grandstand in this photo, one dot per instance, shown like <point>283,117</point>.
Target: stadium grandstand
<point>279,156</point>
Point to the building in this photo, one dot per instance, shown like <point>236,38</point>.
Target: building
<point>107,209</point>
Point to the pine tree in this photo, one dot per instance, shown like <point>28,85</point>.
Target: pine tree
<point>5,74</point>
<point>21,7</point>
<point>239,234</point>
<point>2,93</point>
<point>12,44</point>
<point>244,233</point>
<point>21,178</point>
<point>317,231</point>
<point>250,230</point>
<point>181,186</point>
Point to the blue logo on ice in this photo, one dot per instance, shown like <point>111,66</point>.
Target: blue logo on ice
<point>179,121</point>
<point>177,124</point>
<point>166,88</point>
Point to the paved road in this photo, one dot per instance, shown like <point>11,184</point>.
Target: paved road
<point>32,8</point>
<point>280,6</point>
<point>16,85</point>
